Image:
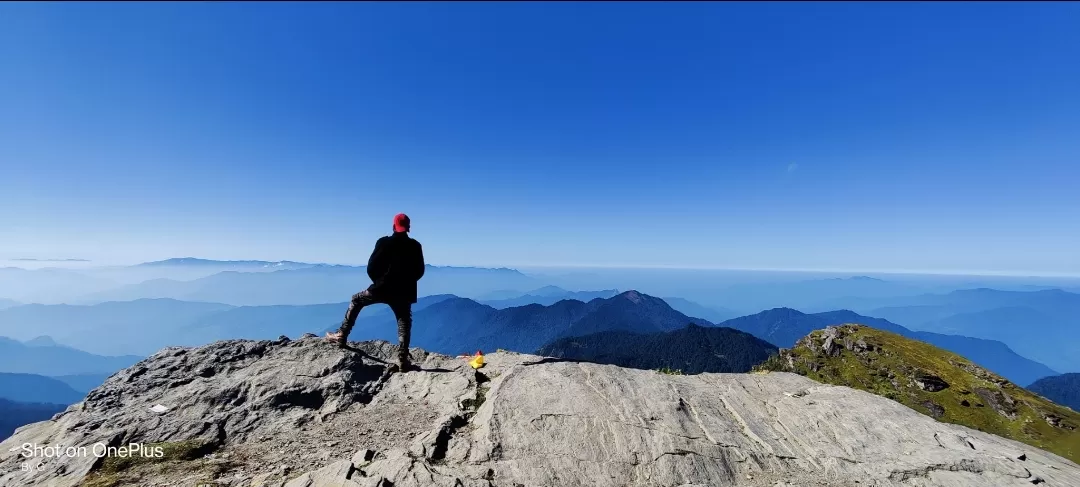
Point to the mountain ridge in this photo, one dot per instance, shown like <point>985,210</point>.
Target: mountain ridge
<point>1063,389</point>
<point>17,357</point>
<point>34,388</point>
<point>785,326</point>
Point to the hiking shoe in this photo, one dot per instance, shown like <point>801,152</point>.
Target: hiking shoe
<point>341,339</point>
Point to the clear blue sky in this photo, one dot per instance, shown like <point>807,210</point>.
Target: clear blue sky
<point>830,136</point>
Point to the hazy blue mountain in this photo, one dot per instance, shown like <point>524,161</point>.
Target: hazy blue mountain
<point>115,328</point>
<point>692,349</point>
<point>991,354</point>
<point>1063,389</point>
<point>549,295</point>
<point>8,303</point>
<point>498,295</point>
<point>928,307</point>
<point>145,326</point>
<point>1038,324</point>
<point>15,414</point>
<point>83,383</point>
<point>808,293</point>
<point>187,269</point>
<point>270,322</point>
<point>779,326</point>
<point>459,325</point>
<point>42,341</point>
<point>1051,339</point>
<point>236,264</point>
<point>318,284</point>
<point>916,316</point>
<point>260,323</point>
<point>785,326</point>
<point>159,288</point>
<point>690,308</point>
<point>18,357</point>
<point>37,388</point>
<point>48,285</point>
<point>984,322</point>
<point>550,291</point>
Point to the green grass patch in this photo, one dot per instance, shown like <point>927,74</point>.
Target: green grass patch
<point>669,371</point>
<point>159,459</point>
<point>888,365</point>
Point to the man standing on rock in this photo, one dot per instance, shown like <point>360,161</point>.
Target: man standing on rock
<point>395,266</point>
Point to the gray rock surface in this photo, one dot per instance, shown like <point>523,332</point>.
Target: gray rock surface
<point>306,414</point>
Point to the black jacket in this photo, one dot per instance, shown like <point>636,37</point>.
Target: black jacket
<point>395,266</point>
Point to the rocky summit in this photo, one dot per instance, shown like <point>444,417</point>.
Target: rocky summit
<point>304,413</point>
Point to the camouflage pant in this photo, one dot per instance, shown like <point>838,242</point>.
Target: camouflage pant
<point>402,311</point>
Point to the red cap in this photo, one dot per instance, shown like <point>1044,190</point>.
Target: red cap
<point>401,222</point>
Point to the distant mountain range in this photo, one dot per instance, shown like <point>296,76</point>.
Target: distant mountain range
<point>317,284</point>
<point>48,285</point>
<point>1039,324</point>
<point>83,383</point>
<point>1063,389</point>
<point>17,357</point>
<point>33,388</point>
<point>14,414</point>
<point>784,326</point>
<point>749,297</point>
<point>459,325</point>
<point>269,322</point>
<point>690,350</point>
<point>690,308</point>
<point>231,264</point>
<point>139,327</point>
<point>244,282</point>
<point>1005,316</point>
<point>547,295</point>
<point>444,323</point>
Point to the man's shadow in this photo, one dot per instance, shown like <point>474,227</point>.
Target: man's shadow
<point>364,355</point>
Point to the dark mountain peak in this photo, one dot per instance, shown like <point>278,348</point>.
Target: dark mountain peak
<point>1063,389</point>
<point>630,311</point>
<point>638,302</point>
<point>638,298</point>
